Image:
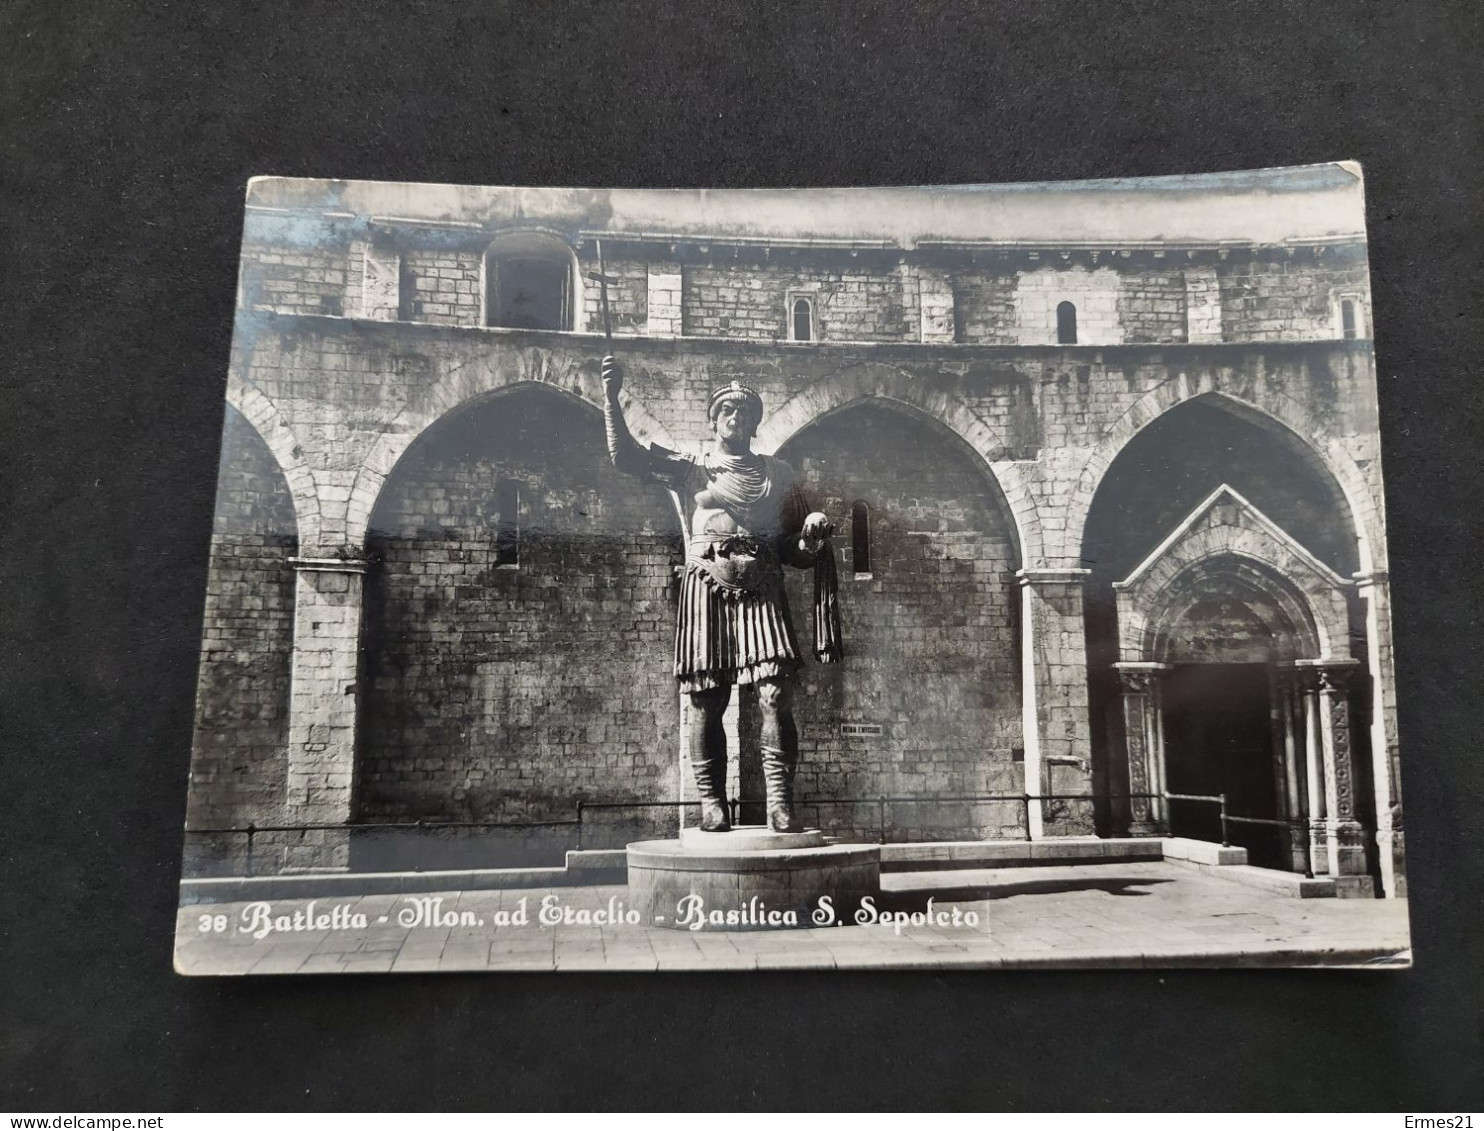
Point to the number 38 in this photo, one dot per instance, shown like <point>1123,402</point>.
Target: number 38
<point>212,924</point>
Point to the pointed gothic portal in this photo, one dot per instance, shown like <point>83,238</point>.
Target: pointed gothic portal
<point>1234,661</point>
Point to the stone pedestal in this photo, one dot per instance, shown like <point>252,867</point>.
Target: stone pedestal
<point>750,879</point>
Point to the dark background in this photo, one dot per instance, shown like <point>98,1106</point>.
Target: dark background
<point>127,132</point>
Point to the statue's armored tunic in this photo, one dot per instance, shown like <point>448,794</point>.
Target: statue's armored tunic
<point>734,625</point>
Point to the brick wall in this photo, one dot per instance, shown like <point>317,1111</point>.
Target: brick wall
<point>931,638</point>
<point>856,304</point>
<point>984,307</point>
<point>442,287</point>
<point>1151,306</point>
<point>1269,300</point>
<point>628,297</point>
<point>345,387</point>
<point>294,280</point>
<point>242,707</point>
<point>508,694</point>
<point>870,298</point>
<point>1095,293</point>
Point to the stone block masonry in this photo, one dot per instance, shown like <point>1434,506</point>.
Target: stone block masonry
<point>290,280</point>
<point>856,304</point>
<point>495,693</point>
<point>930,635</point>
<point>444,288</point>
<point>1285,298</point>
<point>240,760</point>
<point>511,690</point>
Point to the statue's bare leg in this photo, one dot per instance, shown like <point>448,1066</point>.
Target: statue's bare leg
<point>708,755</point>
<point>780,750</point>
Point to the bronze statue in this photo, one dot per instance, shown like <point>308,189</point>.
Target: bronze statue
<point>733,626</point>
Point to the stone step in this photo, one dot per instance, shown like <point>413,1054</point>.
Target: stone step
<point>1268,879</point>
<point>1017,853</point>
<point>241,889</point>
<point>1203,852</point>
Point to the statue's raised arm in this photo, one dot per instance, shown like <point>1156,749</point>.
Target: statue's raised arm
<point>623,449</point>
<point>743,520</point>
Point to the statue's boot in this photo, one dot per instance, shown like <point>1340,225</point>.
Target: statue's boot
<point>778,773</point>
<point>711,785</point>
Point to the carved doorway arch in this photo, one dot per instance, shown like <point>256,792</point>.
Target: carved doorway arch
<point>1229,627</point>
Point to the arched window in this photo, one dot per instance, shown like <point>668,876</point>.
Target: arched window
<point>1066,324</point>
<point>801,318</point>
<point>506,523</point>
<point>860,540</point>
<point>530,282</point>
<point>1348,315</point>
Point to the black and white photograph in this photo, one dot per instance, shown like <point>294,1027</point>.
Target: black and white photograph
<point>629,580</point>
<point>761,556</point>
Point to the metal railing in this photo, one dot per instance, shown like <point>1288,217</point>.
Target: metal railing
<point>883,804</point>
<point>1228,819</point>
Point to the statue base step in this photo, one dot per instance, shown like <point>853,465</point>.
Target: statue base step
<point>749,838</point>
<point>750,879</point>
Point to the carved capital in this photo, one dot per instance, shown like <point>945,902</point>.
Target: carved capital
<point>1139,678</point>
<point>329,565</point>
<point>1037,578</point>
<point>1334,679</point>
<point>1136,683</point>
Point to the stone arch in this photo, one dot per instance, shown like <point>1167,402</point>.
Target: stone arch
<point>270,425</point>
<point>1278,414</point>
<point>931,629</point>
<point>461,386</point>
<point>941,407</point>
<point>1228,540</point>
<point>1283,610</point>
<point>508,688</point>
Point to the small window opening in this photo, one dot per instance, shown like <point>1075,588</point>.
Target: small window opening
<point>530,282</point>
<point>803,320</point>
<point>530,293</point>
<point>860,540</point>
<point>1347,318</point>
<point>507,523</point>
<point>1066,324</point>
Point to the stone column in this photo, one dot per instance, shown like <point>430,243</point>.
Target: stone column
<point>1054,702</point>
<point>1390,841</point>
<point>1306,683</point>
<point>1143,726</point>
<point>1344,838</point>
<point>322,710</point>
<point>1292,802</point>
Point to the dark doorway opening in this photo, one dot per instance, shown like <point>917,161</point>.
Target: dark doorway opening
<point>1219,739</point>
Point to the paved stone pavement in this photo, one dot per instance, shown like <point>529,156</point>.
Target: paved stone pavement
<point>1151,914</point>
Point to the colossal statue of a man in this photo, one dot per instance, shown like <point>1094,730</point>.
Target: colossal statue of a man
<point>744,518</point>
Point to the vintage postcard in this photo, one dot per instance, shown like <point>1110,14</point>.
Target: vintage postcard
<point>984,576</point>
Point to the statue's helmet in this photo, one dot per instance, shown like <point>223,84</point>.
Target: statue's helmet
<point>746,398</point>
